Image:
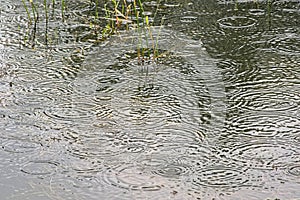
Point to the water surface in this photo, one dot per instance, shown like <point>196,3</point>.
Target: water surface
<point>216,116</point>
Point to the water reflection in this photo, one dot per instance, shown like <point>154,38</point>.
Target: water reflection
<point>19,146</point>
<point>131,178</point>
<point>220,176</point>
<point>39,167</point>
<point>216,118</point>
<point>237,22</point>
<point>294,170</point>
<point>258,49</point>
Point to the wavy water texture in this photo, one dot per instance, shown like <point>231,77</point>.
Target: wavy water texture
<point>176,89</point>
<point>86,120</point>
<point>88,116</point>
<point>147,109</point>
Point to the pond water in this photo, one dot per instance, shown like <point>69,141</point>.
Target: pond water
<point>216,116</point>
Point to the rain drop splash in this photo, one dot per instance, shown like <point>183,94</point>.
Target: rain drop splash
<point>20,146</point>
<point>263,155</point>
<point>132,178</point>
<point>237,22</point>
<point>221,177</point>
<point>40,167</point>
<point>181,86</point>
<point>164,106</point>
<point>294,170</point>
<point>288,44</point>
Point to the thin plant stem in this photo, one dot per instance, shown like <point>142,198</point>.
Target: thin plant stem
<point>269,7</point>
<point>53,6</point>
<point>137,15</point>
<point>155,49</point>
<point>46,15</point>
<point>36,18</point>
<point>154,16</point>
<point>96,11</point>
<point>27,11</point>
<point>63,7</point>
<point>236,5</point>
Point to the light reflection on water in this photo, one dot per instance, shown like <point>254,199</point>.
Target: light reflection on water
<point>85,121</point>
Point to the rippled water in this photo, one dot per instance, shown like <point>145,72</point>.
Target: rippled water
<point>215,117</point>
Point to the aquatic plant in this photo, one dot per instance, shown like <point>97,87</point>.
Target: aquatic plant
<point>107,19</point>
<point>63,7</point>
<point>35,14</point>
<point>47,21</point>
<point>122,15</point>
<point>27,11</point>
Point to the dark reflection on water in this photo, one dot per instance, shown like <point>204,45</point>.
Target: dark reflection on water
<point>210,119</point>
<point>258,49</point>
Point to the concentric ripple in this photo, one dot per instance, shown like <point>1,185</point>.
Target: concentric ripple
<point>257,12</point>
<point>172,171</point>
<point>60,70</point>
<point>9,23</point>
<point>264,125</point>
<point>189,17</point>
<point>119,125</point>
<point>296,138</point>
<point>171,168</point>
<point>84,86</point>
<point>258,155</point>
<point>33,100</point>
<point>82,8</point>
<point>7,67</point>
<point>52,88</point>
<point>72,111</point>
<point>79,173</point>
<point>237,22</point>
<point>132,178</point>
<point>40,167</point>
<point>221,177</point>
<point>20,131</point>
<point>83,181</point>
<point>150,94</point>
<point>29,75</point>
<point>294,170</point>
<point>264,95</point>
<point>234,72</point>
<point>286,44</point>
<point>109,146</point>
<point>186,156</point>
<point>20,146</point>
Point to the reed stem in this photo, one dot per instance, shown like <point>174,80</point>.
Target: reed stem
<point>36,18</point>
<point>27,11</point>
<point>47,21</point>
<point>63,7</point>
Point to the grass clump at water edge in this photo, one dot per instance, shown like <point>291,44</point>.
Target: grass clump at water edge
<point>105,20</point>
